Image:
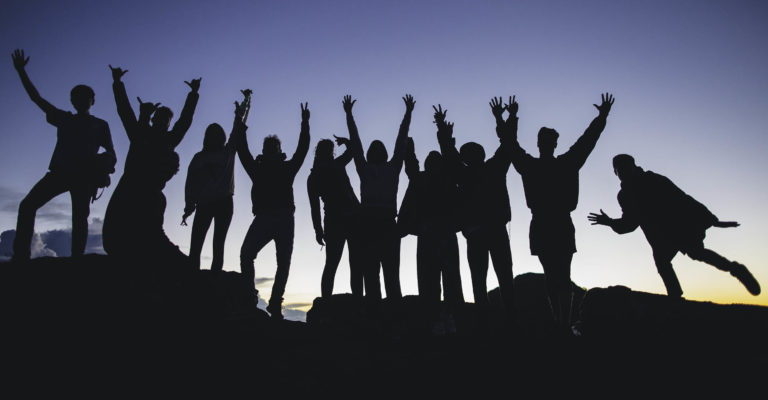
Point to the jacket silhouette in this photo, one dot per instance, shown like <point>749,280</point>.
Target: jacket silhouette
<point>273,206</point>
<point>133,224</point>
<point>76,166</point>
<point>328,181</point>
<point>671,220</point>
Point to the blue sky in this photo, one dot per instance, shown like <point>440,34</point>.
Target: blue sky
<point>688,76</point>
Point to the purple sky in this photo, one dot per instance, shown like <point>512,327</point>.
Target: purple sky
<point>689,79</point>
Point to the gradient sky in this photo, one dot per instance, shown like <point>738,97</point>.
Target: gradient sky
<point>690,80</point>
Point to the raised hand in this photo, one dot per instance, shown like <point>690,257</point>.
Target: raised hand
<point>605,107</point>
<point>194,85</point>
<point>347,103</point>
<point>445,132</point>
<point>497,107</point>
<point>304,112</point>
<point>512,106</point>
<point>147,108</point>
<point>409,102</point>
<point>19,61</point>
<point>117,73</point>
<point>600,219</point>
<point>239,108</point>
<point>440,114</point>
<point>341,141</point>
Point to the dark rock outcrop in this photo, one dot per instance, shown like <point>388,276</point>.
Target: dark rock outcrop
<point>95,317</point>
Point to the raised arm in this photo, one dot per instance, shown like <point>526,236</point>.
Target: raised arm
<point>124,109</point>
<point>303,147</point>
<point>314,204</point>
<point>243,152</point>
<point>580,150</point>
<point>20,62</point>
<point>402,134</point>
<point>447,142</point>
<point>347,155</point>
<point>182,125</point>
<point>507,133</point>
<point>238,125</point>
<point>411,162</point>
<point>354,136</point>
<point>628,221</point>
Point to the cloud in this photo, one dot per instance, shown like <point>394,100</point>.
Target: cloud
<point>262,281</point>
<point>56,210</point>
<point>298,305</point>
<point>38,248</point>
<point>52,243</point>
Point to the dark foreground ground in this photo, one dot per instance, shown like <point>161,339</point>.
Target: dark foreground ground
<point>97,327</point>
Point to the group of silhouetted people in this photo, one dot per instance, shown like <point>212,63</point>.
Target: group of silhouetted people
<point>458,190</point>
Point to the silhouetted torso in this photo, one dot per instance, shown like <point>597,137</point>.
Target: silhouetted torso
<point>273,184</point>
<point>78,140</point>
<point>551,184</point>
<point>378,186</point>
<point>483,195</point>
<point>331,182</point>
<point>665,213</point>
<point>430,204</point>
<point>211,175</point>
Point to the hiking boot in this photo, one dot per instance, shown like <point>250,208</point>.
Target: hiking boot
<point>275,309</point>
<point>740,272</point>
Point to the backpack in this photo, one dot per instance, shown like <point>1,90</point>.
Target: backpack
<point>103,167</point>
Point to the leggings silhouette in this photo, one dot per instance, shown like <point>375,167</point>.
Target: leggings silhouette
<point>329,181</point>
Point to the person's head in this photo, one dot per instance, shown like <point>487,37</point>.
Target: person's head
<point>472,153</point>
<point>624,166</point>
<point>324,151</point>
<point>434,162</point>
<point>215,137</point>
<point>271,148</point>
<point>547,142</point>
<point>377,152</point>
<point>82,98</point>
<point>161,119</point>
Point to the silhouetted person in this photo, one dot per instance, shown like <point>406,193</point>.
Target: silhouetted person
<point>551,187</point>
<point>273,206</point>
<point>329,181</point>
<point>133,225</point>
<point>379,179</point>
<point>671,220</point>
<point>210,186</point>
<point>429,211</point>
<point>73,164</point>
<point>485,211</point>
